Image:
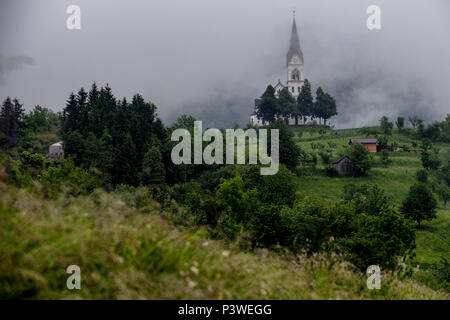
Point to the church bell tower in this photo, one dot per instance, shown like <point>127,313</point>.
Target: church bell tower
<point>294,63</point>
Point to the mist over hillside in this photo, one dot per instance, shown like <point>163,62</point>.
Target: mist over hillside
<point>212,58</point>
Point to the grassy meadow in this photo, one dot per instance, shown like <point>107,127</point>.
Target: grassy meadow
<point>433,239</point>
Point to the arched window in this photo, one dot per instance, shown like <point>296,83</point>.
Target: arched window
<point>295,74</point>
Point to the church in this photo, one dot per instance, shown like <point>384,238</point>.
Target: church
<point>295,76</point>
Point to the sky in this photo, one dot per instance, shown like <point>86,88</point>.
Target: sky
<point>212,58</point>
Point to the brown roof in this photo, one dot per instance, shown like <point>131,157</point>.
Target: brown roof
<point>340,159</point>
<point>364,140</point>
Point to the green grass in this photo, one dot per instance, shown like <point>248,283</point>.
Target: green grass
<point>125,253</point>
<point>433,240</point>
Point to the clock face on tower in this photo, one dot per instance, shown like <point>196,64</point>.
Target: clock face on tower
<point>295,59</point>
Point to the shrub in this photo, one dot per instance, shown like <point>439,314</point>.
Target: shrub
<point>379,240</point>
<point>419,204</point>
<point>279,188</point>
<point>361,159</point>
<point>386,126</point>
<point>422,175</point>
<point>326,157</point>
<point>365,198</point>
<point>331,171</point>
<point>69,178</point>
<point>384,158</point>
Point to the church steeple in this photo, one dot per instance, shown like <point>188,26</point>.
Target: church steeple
<point>294,45</point>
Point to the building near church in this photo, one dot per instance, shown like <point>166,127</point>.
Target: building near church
<point>294,73</point>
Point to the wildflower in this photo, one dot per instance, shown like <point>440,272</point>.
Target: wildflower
<point>194,270</point>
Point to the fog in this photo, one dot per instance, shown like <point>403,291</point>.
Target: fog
<point>211,58</point>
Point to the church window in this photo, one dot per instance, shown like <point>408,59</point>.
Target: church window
<point>293,90</point>
<point>298,89</point>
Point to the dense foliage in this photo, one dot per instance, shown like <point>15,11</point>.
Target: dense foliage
<point>270,107</point>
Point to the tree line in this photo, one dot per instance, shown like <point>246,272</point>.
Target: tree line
<point>322,107</point>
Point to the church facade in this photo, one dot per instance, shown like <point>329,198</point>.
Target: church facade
<point>294,73</point>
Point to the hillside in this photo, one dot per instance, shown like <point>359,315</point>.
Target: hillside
<point>129,253</point>
<point>139,225</point>
<point>433,240</point>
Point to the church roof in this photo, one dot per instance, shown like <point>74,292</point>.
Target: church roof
<point>294,45</point>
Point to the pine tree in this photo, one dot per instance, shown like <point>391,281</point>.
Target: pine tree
<point>83,121</point>
<point>268,106</point>
<point>71,115</point>
<point>125,164</point>
<point>12,117</point>
<point>153,171</point>
<point>6,121</point>
<point>286,103</point>
<point>320,105</point>
<point>305,101</point>
<point>330,108</point>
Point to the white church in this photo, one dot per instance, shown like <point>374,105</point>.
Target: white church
<point>295,76</point>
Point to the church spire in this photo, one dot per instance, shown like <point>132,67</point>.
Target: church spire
<point>294,45</point>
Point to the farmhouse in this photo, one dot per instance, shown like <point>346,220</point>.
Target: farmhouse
<point>368,143</point>
<point>343,165</point>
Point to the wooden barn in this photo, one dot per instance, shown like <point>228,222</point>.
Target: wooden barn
<point>368,143</point>
<point>343,165</point>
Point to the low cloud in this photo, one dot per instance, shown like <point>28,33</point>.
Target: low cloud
<point>11,63</point>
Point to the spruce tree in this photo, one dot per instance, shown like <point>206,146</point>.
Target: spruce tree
<point>305,101</point>
<point>12,117</point>
<point>153,172</point>
<point>268,106</point>
<point>286,103</point>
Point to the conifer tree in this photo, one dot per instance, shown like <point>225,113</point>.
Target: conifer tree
<point>305,101</point>
<point>153,171</point>
<point>268,106</point>
<point>286,103</point>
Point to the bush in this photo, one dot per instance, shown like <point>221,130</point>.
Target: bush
<point>279,188</point>
<point>384,158</point>
<point>326,157</point>
<point>365,198</point>
<point>380,239</point>
<point>422,175</point>
<point>419,204</point>
<point>386,126</point>
<point>361,159</point>
<point>331,171</point>
<point>69,178</point>
<point>189,195</point>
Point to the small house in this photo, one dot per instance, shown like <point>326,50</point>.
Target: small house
<point>343,165</point>
<point>369,143</point>
<point>56,151</point>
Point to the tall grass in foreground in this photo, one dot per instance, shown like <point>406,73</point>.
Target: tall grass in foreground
<point>126,253</point>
